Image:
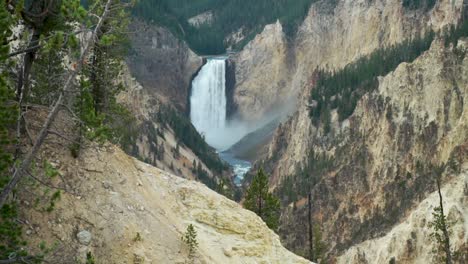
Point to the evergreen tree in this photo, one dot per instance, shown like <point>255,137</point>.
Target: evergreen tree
<point>190,239</point>
<point>102,117</point>
<point>259,200</point>
<point>176,151</point>
<point>441,225</point>
<point>10,230</point>
<point>319,245</point>
<point>8,107</point>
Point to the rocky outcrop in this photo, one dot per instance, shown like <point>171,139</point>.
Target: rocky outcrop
<point>163,64</point>
<point>120,210</point>
<point>201,19</point>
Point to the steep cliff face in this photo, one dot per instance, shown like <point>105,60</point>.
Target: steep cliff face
<point>335,33</point>
<point>385,156</point>
<point>120,210</point>
<point>154,142</point>
<point>262,74</point>
<point>163,64</point>
<point>157,79</point>
<point>410,241</point>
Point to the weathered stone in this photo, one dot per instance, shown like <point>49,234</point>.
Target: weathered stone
<point>84,237</point>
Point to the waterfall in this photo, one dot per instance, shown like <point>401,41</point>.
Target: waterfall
<point>208,102</point>
<point>208,114</point>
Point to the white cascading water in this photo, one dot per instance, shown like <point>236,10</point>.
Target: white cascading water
<point>208,102</point>
<point>208,114</point>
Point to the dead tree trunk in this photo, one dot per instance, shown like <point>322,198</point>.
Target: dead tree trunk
<point>311,231</point>
<point>34,16</point>
<point>23,76</point>
<point>22,87</point>
<point>448,253</point>
<point>23,167</point>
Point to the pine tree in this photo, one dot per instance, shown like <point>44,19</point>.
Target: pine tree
<point>319,245</point>
<point>10,230</point>
<point>190,239</point>
<point>7,106</point>
<point>100,82</point>
<point>440,224</point>
<point>261,201</point>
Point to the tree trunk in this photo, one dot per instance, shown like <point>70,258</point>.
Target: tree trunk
<point>96,88</point>
<point>448,253</point>
<point>24,166</point>
<point>311,233</point>
<point>259,203</point>
<point>22,86</point>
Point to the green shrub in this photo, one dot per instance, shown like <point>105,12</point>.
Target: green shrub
<point>190,239</point>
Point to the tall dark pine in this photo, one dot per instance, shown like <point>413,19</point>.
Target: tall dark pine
<point>261,201</point>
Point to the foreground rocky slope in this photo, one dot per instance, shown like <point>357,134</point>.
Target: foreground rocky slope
<point>121,210</point>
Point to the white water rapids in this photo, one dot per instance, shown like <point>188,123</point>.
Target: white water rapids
<point>208,113</point>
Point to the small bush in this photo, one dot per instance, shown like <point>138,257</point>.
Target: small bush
<point>90,258</point>
<point>190,239</point>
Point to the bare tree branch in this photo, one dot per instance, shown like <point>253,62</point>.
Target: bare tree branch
<point>18,260</point>
<point>72,113</point>
<point>61,136</point>
<point>48,185</point>
<point>20,171</point>
<point>33,48</point>
<point>28,133</point>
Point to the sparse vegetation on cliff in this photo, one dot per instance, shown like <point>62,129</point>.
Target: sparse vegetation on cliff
<point>229,17</point>
<point>342,89</point>
<point>308,174</point>
<point>417,4</point>
<point>188,135</point>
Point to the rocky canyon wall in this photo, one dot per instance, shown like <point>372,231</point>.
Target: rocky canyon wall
<point>163,64</point>
<point>275,70</point>
<point>383,155</point>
